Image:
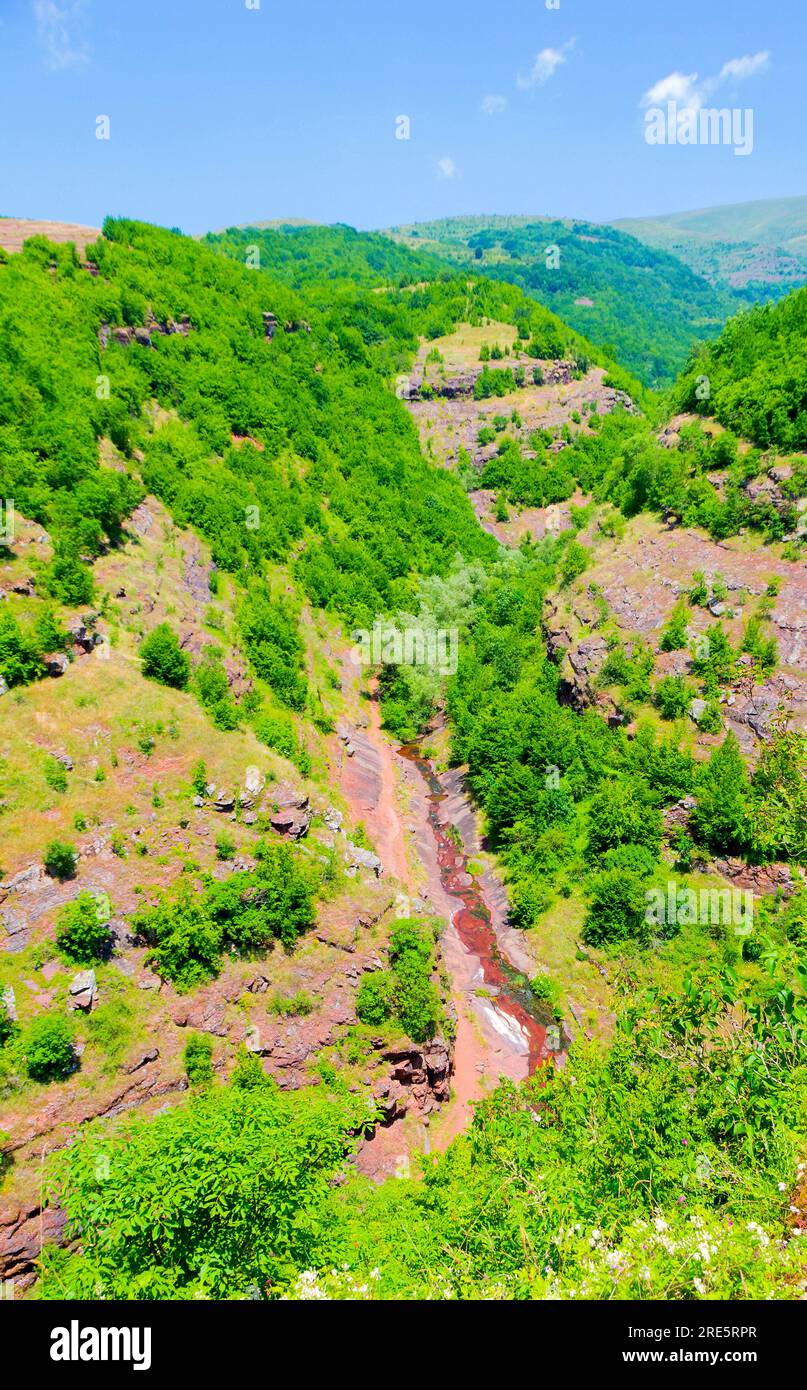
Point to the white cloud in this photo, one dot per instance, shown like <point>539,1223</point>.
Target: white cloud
<point>738,68</point>
<point>689,93</point>
<point>447,168</point>
<point>678,86</point>
<point>545,66</point>
<point>60,31</point>
<point>492,106</point>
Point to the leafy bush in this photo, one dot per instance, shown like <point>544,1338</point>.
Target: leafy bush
<point>60,860</point>
<point>274,647</point>
<point>672,696</point>
<point>405,992</point>
<point>189,930</point>
<point>375,998</point>
<point>198,1059</point>
<point>225,846</point>
<point>720,818</point>
<point>81,930</point>
<point>163,659</point>
<point>674,636</point>
<point>617,909</point>
<point>6,1022</point>
<point>621,813</point>
<point>55,775</point>
<point>210,1200</point>
<point>20,660</point>
<point>48,1048</point>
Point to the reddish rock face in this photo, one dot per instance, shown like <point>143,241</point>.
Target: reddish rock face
<point>644,577</point>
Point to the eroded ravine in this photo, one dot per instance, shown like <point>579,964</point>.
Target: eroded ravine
<point>509,994</point>
<point>415,825</point>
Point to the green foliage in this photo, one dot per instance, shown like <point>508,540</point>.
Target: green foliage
<point>81,929</point>
<point>198,1059</point>
<point>271,639</point>
<point>617,909</point>
<point>720,817</point>
<point>673,697</point>
<point>199,778</point>
<point>575,560</point>
<point>277,731</point>
<point>60,859</point>
<point>621,813</point>
<point>68,580</point>
<point>213,690</point>
<point>674,636</point>
<point>493,381</point>
<point>406,992</point>
<point>209,1200</point>
<point>20,657</point>
<point>48,1048</point>
<point>189,930</point>
<point>755,371</point>
<point>7,1028</point>
<point>55,775</point>
<point>248,1073</point>
<point>763,649</point>
<point>163,659</point>
<point>375,998</point>
<point>291,1005</point>
<point>776,826</point>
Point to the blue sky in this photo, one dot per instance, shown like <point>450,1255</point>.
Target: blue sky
<point>221,113</point>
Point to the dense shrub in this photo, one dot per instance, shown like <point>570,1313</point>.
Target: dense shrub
<point>198,1059</point>
<point>405,992</point>
<point>190,929</point>
<point>48,1048</point>
<point>617,908</point>
<point>60,859</point>
<point>82,930</point>
<point>163,659</point>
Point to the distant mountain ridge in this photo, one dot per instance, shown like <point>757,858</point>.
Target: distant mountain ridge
<point>761,243</point>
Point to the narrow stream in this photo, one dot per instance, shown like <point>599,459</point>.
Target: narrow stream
<point>510,992</point>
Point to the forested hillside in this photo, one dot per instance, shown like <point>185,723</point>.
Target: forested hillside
<point>753,378</point>
<point>641,305</point>
<point>301,256</point>
<point>575,898</point>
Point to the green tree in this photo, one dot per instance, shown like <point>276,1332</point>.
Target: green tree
<point>198,1059</point>
<point>617,909</point>
<point>48,1048</point>
<point>720,818</point>
<point>163,659</point>
<point>82,930</point>
<point>621,813</point>
<point>60,859</point>
<point>210,1200</point>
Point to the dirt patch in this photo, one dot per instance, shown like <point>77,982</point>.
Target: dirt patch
<point>16,230</point>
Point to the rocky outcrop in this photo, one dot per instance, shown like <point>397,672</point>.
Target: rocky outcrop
<point>55,663</point>
<point>762,879</point>
<point>83,991</point>
<point>23,1232</point>
<point>419,1079</point>
<point>357,858</point>
<point>292,816</point>
<point>142,335</point>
